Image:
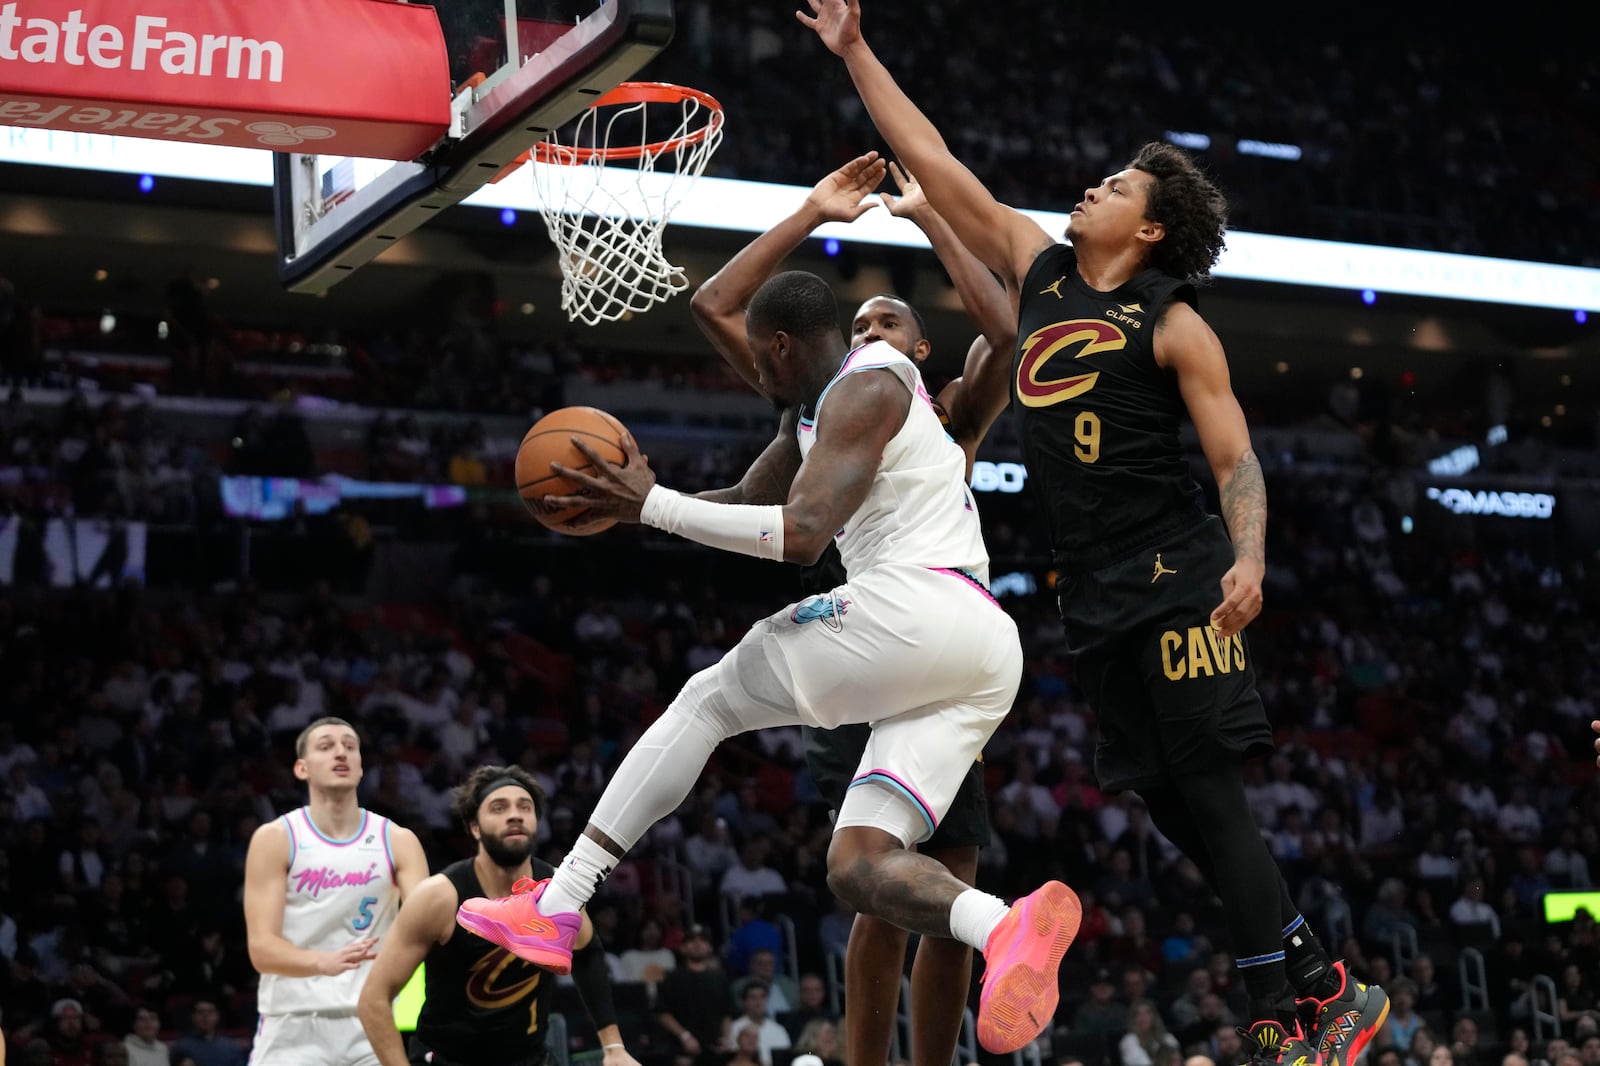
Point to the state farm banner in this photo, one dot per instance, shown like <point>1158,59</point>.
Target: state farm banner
<point>342,77</point>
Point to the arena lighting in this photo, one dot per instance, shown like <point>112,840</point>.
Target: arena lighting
<point>508,216</point>
<point>1580,316</point>
<point>1270,150</point>
<point>1369,297</point>
<point>1462,460</point>
<point>1564,906</point>
<point>831,246</point>
<point>998,477</point>
<point>1488,502</point>
<point>751,207</point>
<point>146,183</point>
<point>1196,142</point>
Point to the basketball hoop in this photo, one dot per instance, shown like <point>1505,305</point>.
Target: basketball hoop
<point>607,222</point>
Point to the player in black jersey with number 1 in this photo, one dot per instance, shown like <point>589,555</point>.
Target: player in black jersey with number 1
<point>1111,358</point>
<point>875,956</point>
<point>483,1006</point>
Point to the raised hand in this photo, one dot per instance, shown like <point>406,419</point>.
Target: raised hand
<point>911,199</point>
<point>611,491</point>
<point>843,196</point>
<point>837,22</point>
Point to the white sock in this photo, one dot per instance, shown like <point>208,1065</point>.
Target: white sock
<point>579,877</point>
<point>974,915</point>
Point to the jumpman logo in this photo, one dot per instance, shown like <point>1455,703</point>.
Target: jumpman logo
<point>1160,569</point>
<point>1054,288</point>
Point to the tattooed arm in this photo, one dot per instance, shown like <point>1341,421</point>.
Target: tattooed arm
<point>1188,347</point>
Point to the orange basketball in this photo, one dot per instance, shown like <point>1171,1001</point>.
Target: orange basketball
<point>550,441</point>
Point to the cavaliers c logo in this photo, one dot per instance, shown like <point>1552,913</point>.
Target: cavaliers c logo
<point>1094,335</point>
<point>487,990</point>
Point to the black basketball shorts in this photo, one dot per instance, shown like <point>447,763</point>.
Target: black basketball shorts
<point>1169,696</point>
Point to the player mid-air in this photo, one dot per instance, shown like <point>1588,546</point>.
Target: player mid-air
<point>876,952</point>
<point>912,643</point>
<point>1112,356</point>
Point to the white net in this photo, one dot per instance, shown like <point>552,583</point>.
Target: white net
<point>607,222</point>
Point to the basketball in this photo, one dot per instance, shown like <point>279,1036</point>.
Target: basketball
<point>550,441</point>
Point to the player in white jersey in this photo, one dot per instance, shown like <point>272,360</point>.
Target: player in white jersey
<point>912,643</point>
<point>322,885</point>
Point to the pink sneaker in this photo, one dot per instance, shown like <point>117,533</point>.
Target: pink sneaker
<point>516,924</point>
<point>1020,961</point>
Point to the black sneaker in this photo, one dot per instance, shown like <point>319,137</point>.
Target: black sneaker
<point>1270,1043</point>
<point>1341,1026</point>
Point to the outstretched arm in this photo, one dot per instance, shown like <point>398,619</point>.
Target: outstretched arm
<point>1006,240</point>
<point>985,302</point>
<point>1188,347</point>
<point>975,399</point>
<point>719,304</point>
<point>865,411</point>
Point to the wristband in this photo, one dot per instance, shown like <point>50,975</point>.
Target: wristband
<point>736,527</point>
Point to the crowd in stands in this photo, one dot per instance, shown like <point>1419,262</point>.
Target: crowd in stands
<point>1401,139</point>
<point>1432,700</point>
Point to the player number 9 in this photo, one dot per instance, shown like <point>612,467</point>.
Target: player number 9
<point>1086,428</point>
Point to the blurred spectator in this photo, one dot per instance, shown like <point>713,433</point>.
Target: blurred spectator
<point>204,1043</point>
<point>1147,1038</point>
<point>144,1044</point>
<point>695,1002</point>
<point>755,1015</point>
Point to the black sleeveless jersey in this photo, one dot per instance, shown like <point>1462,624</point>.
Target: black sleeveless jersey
<point>483,1005</point>
<point>1097,417</point>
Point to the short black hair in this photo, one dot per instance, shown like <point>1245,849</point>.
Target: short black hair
<point>1191,208</point>
<point>468,796</point>
<point>796,302</point>
<point>304,738</point>
<point>922,326</point>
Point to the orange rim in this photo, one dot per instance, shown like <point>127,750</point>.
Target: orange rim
<point>638,92</point>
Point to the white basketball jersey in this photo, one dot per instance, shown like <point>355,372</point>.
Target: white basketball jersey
<point>339,891</point>
<point>919,511</point>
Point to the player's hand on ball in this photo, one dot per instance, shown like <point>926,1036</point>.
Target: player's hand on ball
<point>837,22</point>
<point>910,201</point>
<point>843,195</point>
<point>611,491</point>
<point>348,957</point>
<point>1241,597</point>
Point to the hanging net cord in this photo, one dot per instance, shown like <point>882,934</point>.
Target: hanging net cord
<point>607,223</point>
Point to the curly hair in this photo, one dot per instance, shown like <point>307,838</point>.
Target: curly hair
<point>467,797</point>
<point>1191,208</point>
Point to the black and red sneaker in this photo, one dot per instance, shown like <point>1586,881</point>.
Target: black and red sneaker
<point>1271,1043</point>
<point>1341,1026</point>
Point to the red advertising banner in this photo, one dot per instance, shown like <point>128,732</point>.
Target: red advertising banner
<point>342,77</point>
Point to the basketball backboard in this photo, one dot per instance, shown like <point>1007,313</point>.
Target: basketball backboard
<point>519,68</point>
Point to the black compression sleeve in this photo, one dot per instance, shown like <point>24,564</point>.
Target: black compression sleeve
<point>593,978</point>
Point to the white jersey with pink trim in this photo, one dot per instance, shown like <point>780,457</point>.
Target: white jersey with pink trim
<point>919,511</point>
<point>339,891</point>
